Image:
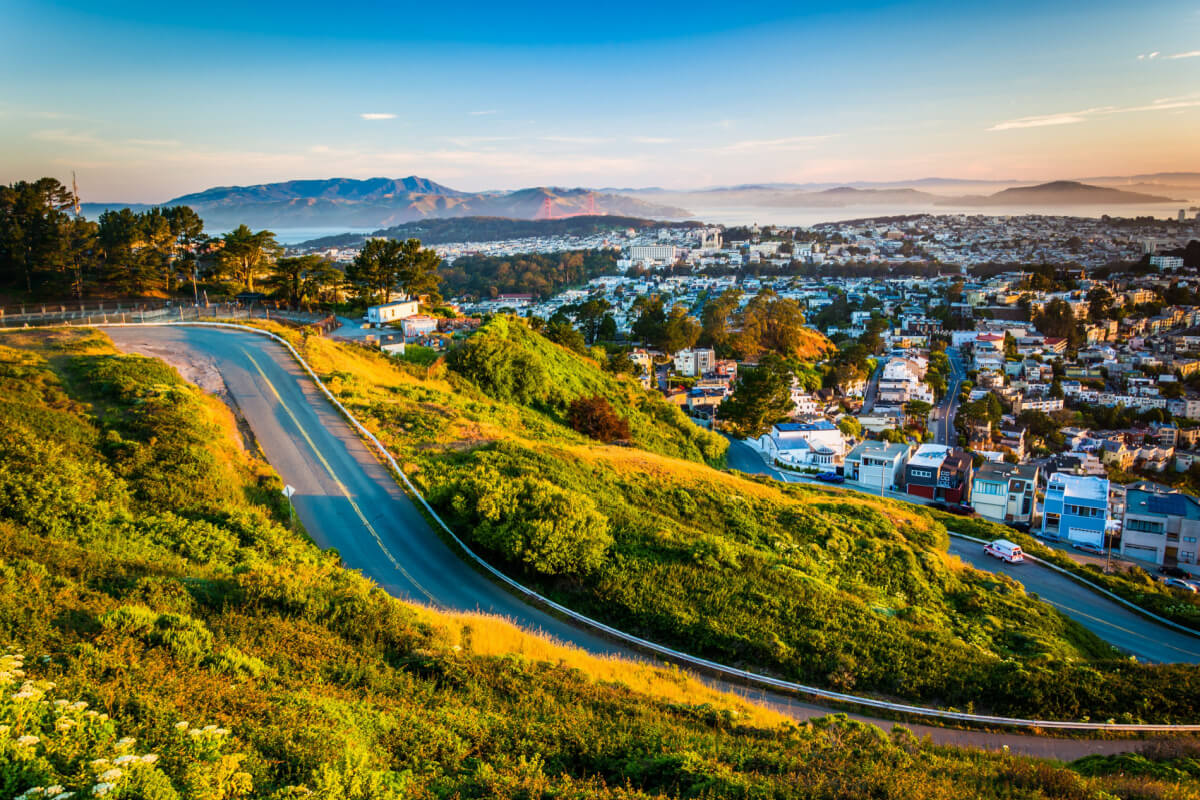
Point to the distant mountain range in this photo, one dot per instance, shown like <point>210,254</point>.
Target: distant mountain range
<point>377,203</point>
<point>382,202</point>
<point>1056,193</point>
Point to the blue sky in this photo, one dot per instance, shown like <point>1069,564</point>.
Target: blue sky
<point>149,100</point>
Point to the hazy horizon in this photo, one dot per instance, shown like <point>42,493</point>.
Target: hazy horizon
<point>147,102</point>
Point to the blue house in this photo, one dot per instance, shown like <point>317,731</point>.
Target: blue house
<point>1076,508</point>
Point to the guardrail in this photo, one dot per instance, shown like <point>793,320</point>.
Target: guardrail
<point>1093,586</point>
<point>671,654</point>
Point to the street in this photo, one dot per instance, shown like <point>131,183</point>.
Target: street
<point>346,499</point>
<point>944,427</point>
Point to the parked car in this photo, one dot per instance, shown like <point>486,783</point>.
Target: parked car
<point>1005,550</point>
<point>1179,583</point>
<point>1022,527</point>
<point>1173,572</point>
<point>962,509</point>
<point>831,477</point>
<point>938,505</point>
<point>1085,547</point>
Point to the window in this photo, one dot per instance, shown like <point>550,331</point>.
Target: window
<point>1145,526</point>
<point>986,487</point>
<point>1189,539</point>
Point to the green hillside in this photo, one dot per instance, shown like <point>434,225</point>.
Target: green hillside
<point>822,586</point>
<point>163,634</point>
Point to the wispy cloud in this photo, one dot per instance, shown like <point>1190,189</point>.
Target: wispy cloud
<point>785,143</point>
<point>482,113</point>
<point>377,115</point>
<point>1073,117</point>
<point>1188,54</point>
<point>652,139</point>
<point>574,139</point>
<point>65,136</point>
<point>1148,56</point>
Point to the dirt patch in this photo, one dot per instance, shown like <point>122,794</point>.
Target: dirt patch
<point>199,370</point>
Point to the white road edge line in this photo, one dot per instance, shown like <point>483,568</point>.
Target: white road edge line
<point>674,655</point>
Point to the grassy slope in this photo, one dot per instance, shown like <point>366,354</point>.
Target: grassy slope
<point>827,587</point>
<point>145,572</point>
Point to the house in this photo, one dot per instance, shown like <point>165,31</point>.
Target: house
<point>1076,508</point>
<point>819,444</point>
<point>689,362</point>
<point>901,381</point>
<point>1161,527</point>
<point>875,464</point>
<point>391,312</point>
<point>1004,492</point>
<point>938,472</point>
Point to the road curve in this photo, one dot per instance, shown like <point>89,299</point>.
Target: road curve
<point>1121,627</point>
<point>1118,625</point>
<point>347,500</point>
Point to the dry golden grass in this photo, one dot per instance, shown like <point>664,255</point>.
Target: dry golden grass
<point>486,635</point>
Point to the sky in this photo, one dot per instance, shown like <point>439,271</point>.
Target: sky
<point>147,101</point>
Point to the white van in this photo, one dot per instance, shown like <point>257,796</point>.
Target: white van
<point>1005,550</point>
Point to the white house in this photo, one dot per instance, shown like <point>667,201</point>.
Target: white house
<point>818,444</point>
<point>391,312</point>
<point>875,464</point>
<point>691,362</point>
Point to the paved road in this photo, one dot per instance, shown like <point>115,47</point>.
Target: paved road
<point>944,432</point>
<point>1120,626</point>
<point>347,500</point>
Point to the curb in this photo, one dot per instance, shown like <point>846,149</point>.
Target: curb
<point>1094,587</point>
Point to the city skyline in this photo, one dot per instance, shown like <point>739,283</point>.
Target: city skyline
<point>148,103</point>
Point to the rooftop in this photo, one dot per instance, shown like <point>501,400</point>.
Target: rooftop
<point>1086,487</point>
<point>930,455</point>
<point>1174,504</point>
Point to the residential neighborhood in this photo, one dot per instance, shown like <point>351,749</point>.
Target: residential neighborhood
<point>957,372</point>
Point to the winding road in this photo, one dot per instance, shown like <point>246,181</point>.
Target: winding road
<point>348,500</point>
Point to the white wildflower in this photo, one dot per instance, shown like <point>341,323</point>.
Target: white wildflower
<point>221,731</point>
<point>110,775</point>
<point>181,725</point>
<point>99,762</point>
<point>63,796</point>
<point>55,789</point>
<point>60,703</point>
<point>78,705</point>
<point>28,741</point>
<point>101,789</point>
<point>125,759</point>
<point>149,758</point>
<point>124,742</point>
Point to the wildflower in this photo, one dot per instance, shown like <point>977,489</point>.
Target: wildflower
<point>52,790</point>
<point>125,742</point>
<point>181,725</point>
<point>60,703</point>
<point>33,791</point>
<point>63,796</point>
<point>149,758</point>
<point>101,789</point>
<point>221,731</point>
<point>63,723</point>
<point>78,705</point>
<point>99,762</point>
<point>28,741</point>
<point>125,759</point>
<point>109,775</point>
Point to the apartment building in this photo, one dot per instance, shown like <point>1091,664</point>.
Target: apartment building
<point>875,464</point>
<point>1161,527</point>
<point>1076,508</point>
<point>1004,492</point>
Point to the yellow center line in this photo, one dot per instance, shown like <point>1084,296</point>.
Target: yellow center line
<point>341,486</point>
<point>1131,632</point>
